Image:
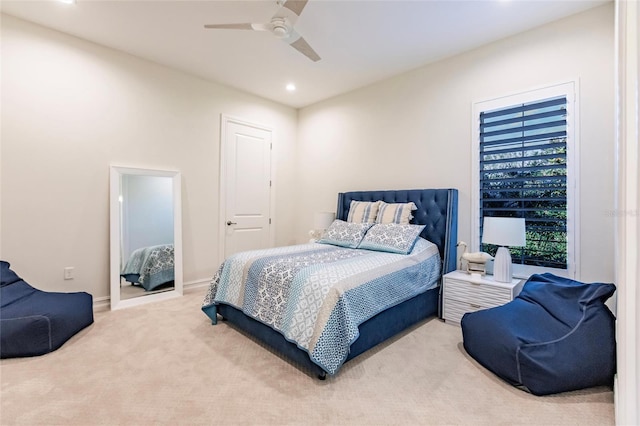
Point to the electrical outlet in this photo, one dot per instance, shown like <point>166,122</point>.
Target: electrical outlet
<point>68,273</point>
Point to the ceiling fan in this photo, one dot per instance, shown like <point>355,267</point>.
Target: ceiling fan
<point>281,26</point>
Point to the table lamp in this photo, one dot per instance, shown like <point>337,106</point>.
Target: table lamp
<point>504,232</point>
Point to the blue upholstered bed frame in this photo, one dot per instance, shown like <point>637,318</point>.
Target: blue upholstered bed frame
<point>438,210</point>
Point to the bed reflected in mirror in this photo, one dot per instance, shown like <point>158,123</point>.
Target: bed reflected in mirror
<point>145,236</point>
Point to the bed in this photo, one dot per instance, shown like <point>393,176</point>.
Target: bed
<point>321,326</point>
<point>150,267</point>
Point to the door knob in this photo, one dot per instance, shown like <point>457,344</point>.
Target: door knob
<point>229,223</point>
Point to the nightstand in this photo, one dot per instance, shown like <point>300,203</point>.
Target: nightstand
<point>464,293</point>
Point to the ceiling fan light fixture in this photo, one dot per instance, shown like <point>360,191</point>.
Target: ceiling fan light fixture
<point>280,31</point>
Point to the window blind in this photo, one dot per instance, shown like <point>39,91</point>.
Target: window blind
<point>523,173</point>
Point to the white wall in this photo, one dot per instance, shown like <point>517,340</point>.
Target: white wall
<point>70,108</point>
<point>414,130</point>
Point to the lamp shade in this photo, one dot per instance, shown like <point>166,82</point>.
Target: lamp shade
<point>504,231</point>
<point>323,220</point>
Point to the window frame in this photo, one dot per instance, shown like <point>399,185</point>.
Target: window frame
<point>569,89</point>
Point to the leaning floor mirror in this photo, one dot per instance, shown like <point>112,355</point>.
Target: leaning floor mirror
<point>146,236</point>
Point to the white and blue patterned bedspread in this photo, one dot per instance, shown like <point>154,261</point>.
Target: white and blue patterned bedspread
<point>150,266</point>
<point>317,295</point>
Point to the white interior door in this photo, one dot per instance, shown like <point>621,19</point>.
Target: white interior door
<point>245,186</point>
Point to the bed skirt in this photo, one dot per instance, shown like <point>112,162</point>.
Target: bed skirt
<point>372,332</point>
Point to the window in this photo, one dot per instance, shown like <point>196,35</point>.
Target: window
<point>524,149</point>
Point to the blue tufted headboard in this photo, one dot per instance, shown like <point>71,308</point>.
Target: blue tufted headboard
<point>437,208</point>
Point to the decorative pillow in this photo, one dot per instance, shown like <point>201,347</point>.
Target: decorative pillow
<point>363,211</point>
<point>395,213</point>
<point>391,237</point>
<point>345,234</point>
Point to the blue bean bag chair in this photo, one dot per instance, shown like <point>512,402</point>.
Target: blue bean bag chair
<point>35,322</point>
<point>557,335</point>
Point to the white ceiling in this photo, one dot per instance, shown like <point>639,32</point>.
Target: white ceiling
<point>360,41</point>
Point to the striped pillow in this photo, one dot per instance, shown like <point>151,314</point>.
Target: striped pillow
<point>363,211</point>
<point>395,213</point>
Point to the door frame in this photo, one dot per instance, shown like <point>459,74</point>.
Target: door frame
<point>225,119</point>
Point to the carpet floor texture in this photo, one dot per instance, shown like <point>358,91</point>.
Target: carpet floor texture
<point>164,363</point>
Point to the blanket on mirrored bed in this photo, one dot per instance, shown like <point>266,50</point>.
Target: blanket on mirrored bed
<point>316,295</point>
<point>150,266</point>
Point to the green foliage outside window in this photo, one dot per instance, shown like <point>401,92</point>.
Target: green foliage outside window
<point>530,183</point>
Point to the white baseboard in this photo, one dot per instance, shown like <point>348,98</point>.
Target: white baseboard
<point>104,303</point>
<point>101,303</point>
<point>195,285</point>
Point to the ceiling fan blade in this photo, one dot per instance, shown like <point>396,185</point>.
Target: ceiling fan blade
<point>230,26</point>
<point>296,6</point>
<point>255,27</point>
<point>296,41</point>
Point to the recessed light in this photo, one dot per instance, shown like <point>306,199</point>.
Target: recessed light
<point>291,87</point>
<point>67,1</point>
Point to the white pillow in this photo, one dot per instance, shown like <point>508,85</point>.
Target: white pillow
<point>395,213</point>
<point>363,211</point>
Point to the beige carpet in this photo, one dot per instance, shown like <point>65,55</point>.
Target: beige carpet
<point>164,363</point>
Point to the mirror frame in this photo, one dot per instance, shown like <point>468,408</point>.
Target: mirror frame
<point>116,172</point>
